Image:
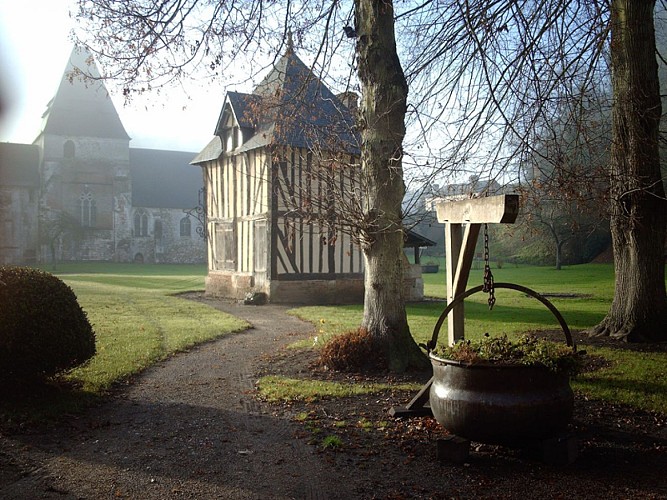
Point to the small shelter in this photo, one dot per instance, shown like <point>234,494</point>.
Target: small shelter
<point>416,241</point>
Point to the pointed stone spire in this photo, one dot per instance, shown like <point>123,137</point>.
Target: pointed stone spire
<point>82,106</point>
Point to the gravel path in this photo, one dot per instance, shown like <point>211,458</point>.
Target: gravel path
<point>186,428</point>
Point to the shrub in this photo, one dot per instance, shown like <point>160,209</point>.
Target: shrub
<point>526,350</point>
<point>43,330</point>
<point>352,351</point>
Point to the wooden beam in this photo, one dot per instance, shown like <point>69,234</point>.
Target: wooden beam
<point>460,250</point>
<point>492,209</point>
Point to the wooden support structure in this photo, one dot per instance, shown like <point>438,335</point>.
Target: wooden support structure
<point>463,220</point>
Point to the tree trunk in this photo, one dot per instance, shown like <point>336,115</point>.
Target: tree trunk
<point>383,107</point>
<point>638,209</point>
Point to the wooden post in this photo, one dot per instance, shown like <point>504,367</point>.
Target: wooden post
<point>460,242</point>
<point>463,220</point>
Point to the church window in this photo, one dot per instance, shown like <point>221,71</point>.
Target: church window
<point>157,230</point>
<point>69,149</point>
<point>140,223</point>
<point>88,208</point>
<point>186,227</point>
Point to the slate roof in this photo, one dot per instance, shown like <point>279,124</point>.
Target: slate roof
<point>82,106</point>
<point>19,165</point>
<point>164,179</point>
<point>211,151</point>
<point>291,107</point>
<point>243,105</point>
<point>415,240</point>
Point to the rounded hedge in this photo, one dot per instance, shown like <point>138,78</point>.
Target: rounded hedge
<point>43,329</point>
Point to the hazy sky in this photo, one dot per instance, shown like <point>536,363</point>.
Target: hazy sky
<point>34,50</point>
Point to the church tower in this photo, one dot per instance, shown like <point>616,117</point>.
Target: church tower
<point>85,179</point>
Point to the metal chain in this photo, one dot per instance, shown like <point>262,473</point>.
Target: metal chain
<point>488,275</point>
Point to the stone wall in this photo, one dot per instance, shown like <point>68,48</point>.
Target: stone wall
<point>166,245</point>
<point>320,292</point>
<point>18,225</point>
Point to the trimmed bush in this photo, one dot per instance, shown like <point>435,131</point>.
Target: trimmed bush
<point>43,330</point>
<point>352,351</point>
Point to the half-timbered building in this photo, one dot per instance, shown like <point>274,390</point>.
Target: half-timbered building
<point>282,183</point>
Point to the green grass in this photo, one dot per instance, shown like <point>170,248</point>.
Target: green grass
<point>513,312</point>
<point>634,378</point>
<point>277,388</point>
<point>138,322</point>
<point>136,319</point>
<point>638,379</point>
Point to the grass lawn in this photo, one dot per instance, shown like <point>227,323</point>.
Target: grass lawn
<point>136,319</point>
<point>635,378</point>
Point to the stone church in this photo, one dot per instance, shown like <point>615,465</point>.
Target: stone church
<point>79,192</point>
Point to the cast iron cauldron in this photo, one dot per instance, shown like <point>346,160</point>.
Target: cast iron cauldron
<point>500,403</point>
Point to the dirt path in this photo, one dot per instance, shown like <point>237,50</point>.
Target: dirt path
<point>187,428</point>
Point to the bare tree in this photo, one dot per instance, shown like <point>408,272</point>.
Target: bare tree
<point>384,103</point>
<point>484,78</point>
<point>638,208</point>
<point>493,75</point>
<point>565,186</point>
<point>53,227</point>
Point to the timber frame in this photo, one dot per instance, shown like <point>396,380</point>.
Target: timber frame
<point>271,170</point>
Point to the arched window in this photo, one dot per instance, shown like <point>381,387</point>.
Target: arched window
<point>69,149</point>
<point>88,209</point>
<point>186,227</point>
<point>157,230</point>
<point>140,223</point>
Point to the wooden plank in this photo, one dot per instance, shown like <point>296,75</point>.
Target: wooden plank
<point>453,245</point>
<point>465,259</point>
<point>417,407</point>
<point>492,209</point>
<point>460,248</point>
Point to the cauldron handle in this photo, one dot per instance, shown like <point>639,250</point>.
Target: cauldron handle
<point>459,298</point>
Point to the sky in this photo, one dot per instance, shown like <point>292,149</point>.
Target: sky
<point>34,50</point>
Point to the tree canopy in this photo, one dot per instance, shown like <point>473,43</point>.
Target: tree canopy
<point>488,81</point>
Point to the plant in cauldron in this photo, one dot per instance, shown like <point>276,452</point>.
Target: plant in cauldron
<point>504,391</point>
<point>526,350</point>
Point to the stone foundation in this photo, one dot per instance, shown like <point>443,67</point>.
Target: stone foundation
<point>413,283</point>
<point>236,286</point>
<point>229,286</point>
<point>320,292</point>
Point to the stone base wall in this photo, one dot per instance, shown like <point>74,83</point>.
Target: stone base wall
<point>318,292</point>
<point>236,286</point>
<point>228,286</point>
<point>413,283</point>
